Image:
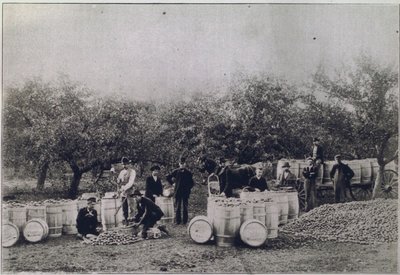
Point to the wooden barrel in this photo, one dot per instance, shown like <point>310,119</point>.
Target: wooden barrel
<point>167,206</point>
<point>283,205</point>
<point>226,225</point>
<point>293,204</point>
<point>5,215</point>
<point>281,199</point>
<point>69,215</point>
<point>18,217</point>
<point>54,219</point>
<point>200,229</point>
<point>366,171</point>
<point>259,211</point>
<point>83,203</point>
<point>246,212</point>
<point>253,233</point>
<point>10,234</point>
<point>108,208</point>
<point>272,219</point>
<point>246,195</point>
<point>210,208</point>
<point>36,212</point>
<point>36,230</point>
<point>355,165</point>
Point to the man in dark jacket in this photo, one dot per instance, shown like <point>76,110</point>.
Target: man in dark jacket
<point>183,184</point>
<point>309,174</point>
<point>153,184</point>
<point>317,153</point>
<point>86,221</point>
<point>148,213</point>
<point>258,182</point>
<point>286,178</point>
<point>341,175</point>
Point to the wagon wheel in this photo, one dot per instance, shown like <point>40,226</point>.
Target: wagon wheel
<point>389,186</point>
<point>362,192</point>
<point>299,186</point>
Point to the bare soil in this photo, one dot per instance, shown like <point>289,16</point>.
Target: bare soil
<point>179,254</point>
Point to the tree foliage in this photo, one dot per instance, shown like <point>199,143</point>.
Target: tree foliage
<point>260,118</point>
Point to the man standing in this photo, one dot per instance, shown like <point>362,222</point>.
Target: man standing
<point>341,175</point>
<point>153,184</point>
<point>309,174</point>
<point>317,153</point>
<point>287,178</point>
<point>127,179</point>
<point>183,184</point>
<point>86,221</point>
<point>148,214</point>
<point>258,183</point>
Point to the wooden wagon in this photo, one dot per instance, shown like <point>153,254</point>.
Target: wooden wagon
<point>362,184</point>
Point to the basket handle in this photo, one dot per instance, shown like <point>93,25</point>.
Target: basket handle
<point>208,183</point>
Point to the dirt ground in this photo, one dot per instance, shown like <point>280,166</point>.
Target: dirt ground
<point>179,254</point>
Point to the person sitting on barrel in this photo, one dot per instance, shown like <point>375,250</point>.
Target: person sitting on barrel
<point>286,178</point>
<point>86,221</point>
<point>153,184</point>
<point>258,182</point>
<point>148,214</point>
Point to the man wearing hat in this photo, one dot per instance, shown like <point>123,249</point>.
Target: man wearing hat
<point>310,174</point>
<point>286,178</point>
<point>258,182</point>
<point>184,183</point>
<point>86,221</point>
<point>127,178</point>
<point>317,152</point>
<point>148,214</point>
<point>341,175</point>
<point>153,184</point>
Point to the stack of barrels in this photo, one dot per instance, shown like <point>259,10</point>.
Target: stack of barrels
<point>254,218</point>
<point>35,221</point>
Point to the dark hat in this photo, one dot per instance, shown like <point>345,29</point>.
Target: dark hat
<point>136,193</point>
<point>125,160</point>
<point>338,156</point>
<point>286,164</point>
<point>91,199</point>
<point>155,167</point>
<point>182,159</point>
<point>315,139</point>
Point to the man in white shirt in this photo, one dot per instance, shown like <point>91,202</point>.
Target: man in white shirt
<point>127,179</point>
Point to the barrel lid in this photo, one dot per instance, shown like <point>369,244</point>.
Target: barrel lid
<point>200,229</point>
<point>10,234</point>
<point>35,230</point>
<point>253,232</point>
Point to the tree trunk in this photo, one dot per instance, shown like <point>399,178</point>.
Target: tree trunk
<point>378,182</point>
<point>73,189</point>
<point>42,173</point>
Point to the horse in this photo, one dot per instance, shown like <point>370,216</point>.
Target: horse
<point>230,177</point>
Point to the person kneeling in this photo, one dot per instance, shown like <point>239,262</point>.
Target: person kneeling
<point>86,222</point>
<point>148,214</point>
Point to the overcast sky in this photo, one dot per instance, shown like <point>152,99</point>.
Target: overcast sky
<point>149,50</point>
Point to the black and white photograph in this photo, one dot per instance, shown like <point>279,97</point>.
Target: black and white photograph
<point>199,137</point>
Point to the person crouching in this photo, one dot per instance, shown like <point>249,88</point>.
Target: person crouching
<point>148,214</point>
<point>86,221</point>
